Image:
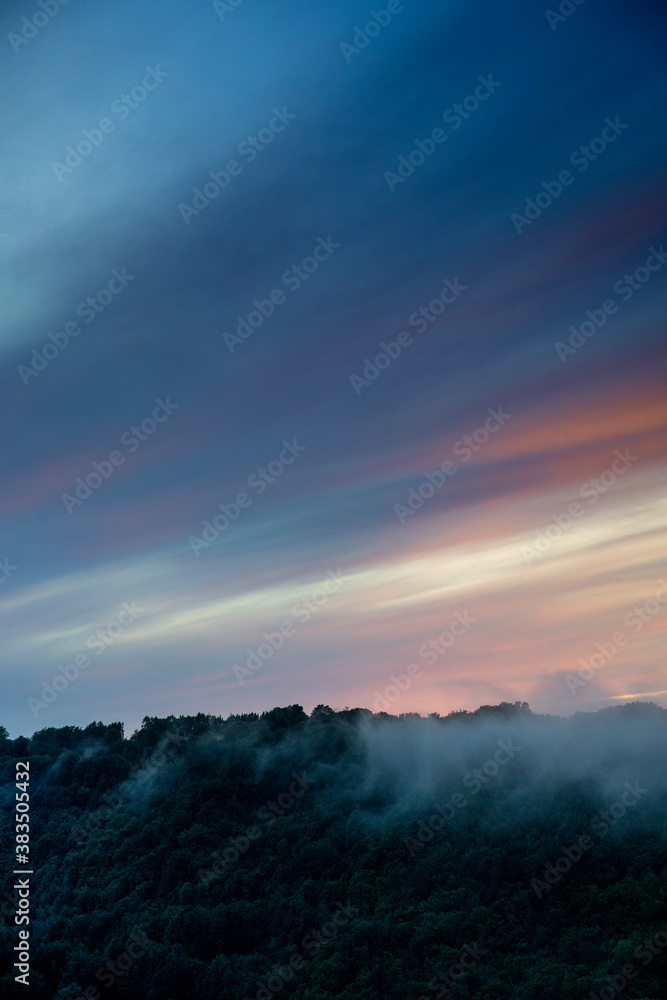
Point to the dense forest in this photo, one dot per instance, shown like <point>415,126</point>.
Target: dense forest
<point>494,855</point>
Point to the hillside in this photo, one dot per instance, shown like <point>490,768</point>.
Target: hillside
<point>495,855</point>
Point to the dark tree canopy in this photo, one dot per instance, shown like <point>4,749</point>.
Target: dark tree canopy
<point>222,849</point>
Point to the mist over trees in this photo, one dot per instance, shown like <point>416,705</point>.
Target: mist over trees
<point>495,854</point>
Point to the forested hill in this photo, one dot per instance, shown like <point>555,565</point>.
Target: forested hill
<point>494,855</point>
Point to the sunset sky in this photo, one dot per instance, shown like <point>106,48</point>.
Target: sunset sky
<point>350,187</point>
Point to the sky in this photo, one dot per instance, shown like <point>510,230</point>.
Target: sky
<point>332,365</point>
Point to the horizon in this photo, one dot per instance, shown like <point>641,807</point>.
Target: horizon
<point>331,355</point>
<point>518,708</point>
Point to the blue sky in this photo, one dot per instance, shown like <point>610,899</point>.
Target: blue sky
<point>220,77</point>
